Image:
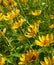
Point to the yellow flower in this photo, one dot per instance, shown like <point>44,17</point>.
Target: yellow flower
<point>47,61</point>
<point>51,26</point>
<point>52,16</point>
<point>32,29</point>
<point>17,24</point>
<point>2,60</point>
<point>45,40</point>
<point>2,32</point>
<point>29,57</point>
<point>24,1</point>
<point>36,12</point>
<point>11,15</point>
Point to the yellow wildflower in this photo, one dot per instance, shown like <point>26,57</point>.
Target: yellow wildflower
<point>2,32</point>
<point>45,40</point>
<point>47,61</point>
<point>29,57</point>
<point>2,60</point>
<point>52,16</point>
<point>32,29</point>
<point>17,24</point>
<point>36,12</point>
<point>51,26</point>
<point>11,15</point>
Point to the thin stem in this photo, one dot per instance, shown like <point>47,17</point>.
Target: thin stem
<point>23,11</point>
<point>9,44</point>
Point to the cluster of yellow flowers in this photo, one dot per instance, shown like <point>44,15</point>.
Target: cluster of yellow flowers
<point>33,55</point>
<point>32,30</point>
<point>10,15</point>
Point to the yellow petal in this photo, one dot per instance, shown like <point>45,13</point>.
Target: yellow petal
<point>21,63</point>
<point>38,43</point>
<point>51,37</point>
<point>42,63</point>
<point>46,60</point>
<point>29,36</point>
<point>41,40</point>
<point>22,59</point>
<point>50,61</point>
<point>36,12</point>
<point>15,3</point>
<point>0,14</point>
<point>53,60</point>
<point>47,37</point>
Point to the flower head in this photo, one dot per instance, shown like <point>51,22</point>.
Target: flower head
<point>29,57</point>
<point>17,24</point>
<point>36,12</point>
<point>32,29</point>
<point>45,40</point>
<point>47,61</point>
